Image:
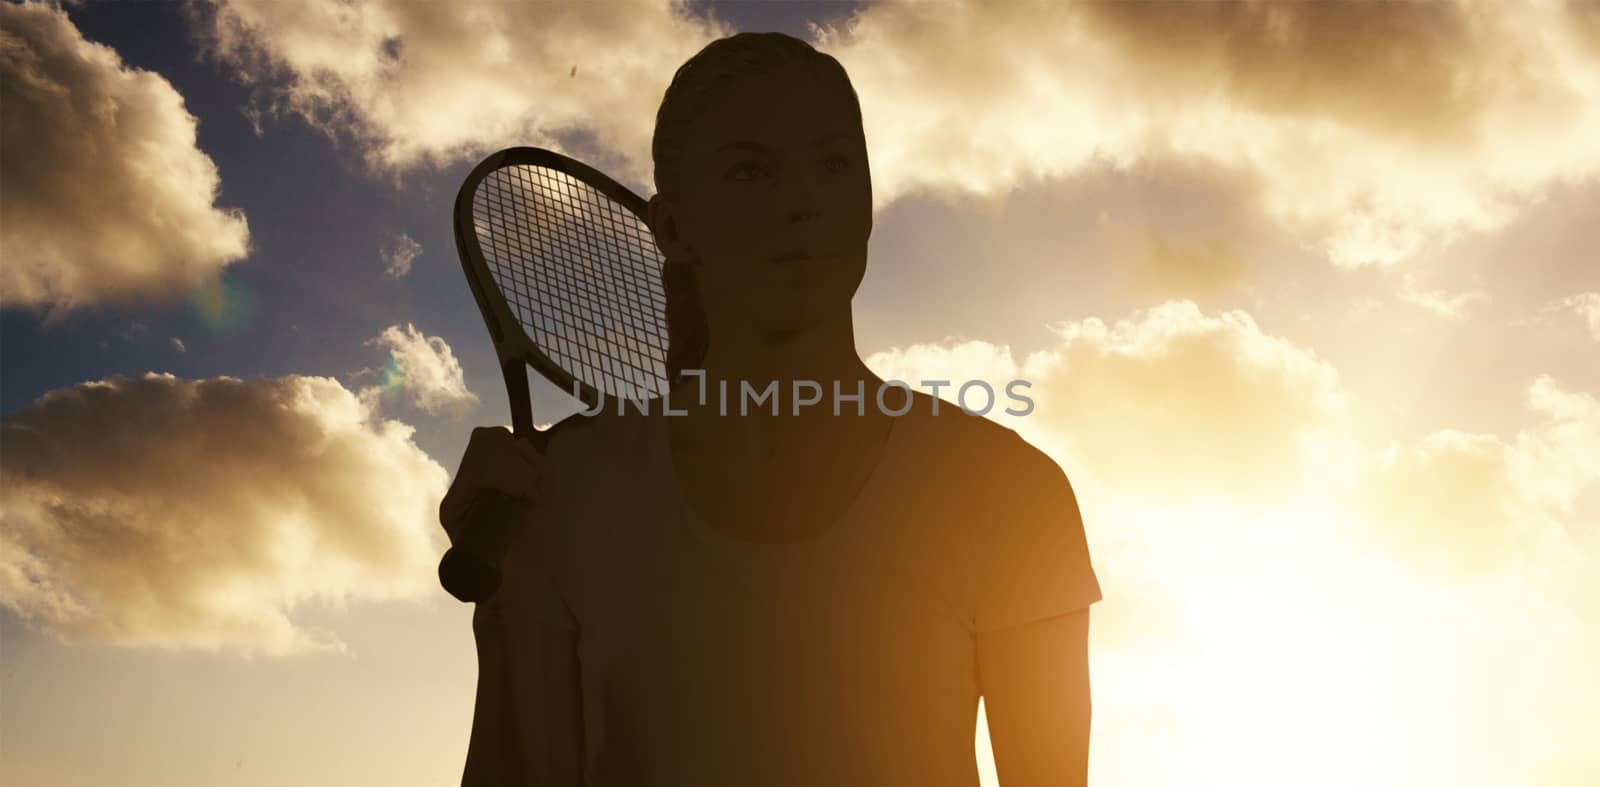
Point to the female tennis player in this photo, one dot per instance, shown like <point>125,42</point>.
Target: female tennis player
<point>791,589</point>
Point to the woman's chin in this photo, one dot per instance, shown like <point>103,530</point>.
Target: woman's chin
<point>785,315</point>
<point>787,322</point>
<point>784,331</point>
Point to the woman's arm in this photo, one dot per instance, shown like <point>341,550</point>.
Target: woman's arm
<point>527,725</point>
<point>1035,685</point>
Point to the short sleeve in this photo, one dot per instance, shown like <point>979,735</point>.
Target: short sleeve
<point>1033,556</point>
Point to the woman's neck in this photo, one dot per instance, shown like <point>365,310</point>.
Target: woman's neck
<point>738,415</point>
<point>822,356</point>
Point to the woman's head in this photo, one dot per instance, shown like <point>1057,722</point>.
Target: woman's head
<point>759,151</point>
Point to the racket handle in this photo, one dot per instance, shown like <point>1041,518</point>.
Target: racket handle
<point>470,569</point>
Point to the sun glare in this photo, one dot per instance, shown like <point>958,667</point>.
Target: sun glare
<point>1279,652</point>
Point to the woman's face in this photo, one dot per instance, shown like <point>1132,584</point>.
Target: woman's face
<point>777,166</point>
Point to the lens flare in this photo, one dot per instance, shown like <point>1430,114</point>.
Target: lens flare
<point>392,378</point>
<point>224,307</point>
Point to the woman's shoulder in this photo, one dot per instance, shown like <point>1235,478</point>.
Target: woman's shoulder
<point>983,449</point>
<point>949,423</point>
<point>601,437</point>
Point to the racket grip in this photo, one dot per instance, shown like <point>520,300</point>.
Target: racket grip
<point>470,569</point>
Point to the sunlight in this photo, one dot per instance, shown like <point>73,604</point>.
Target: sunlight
<point>1290,657</point>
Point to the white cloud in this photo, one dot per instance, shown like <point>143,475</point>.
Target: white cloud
<point>1557,459</point>
<point>423,83</point>
<point>105,196</point>
<point>952,363</point>
<point>424,370</point>
<point>1440,303</point>
<point>1168,403</point>
<point>1586,305</point>
<point>398,255</point>
<point>177,344</point>
<point>198,514</point>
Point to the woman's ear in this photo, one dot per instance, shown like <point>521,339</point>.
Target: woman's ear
<point>664,227</point>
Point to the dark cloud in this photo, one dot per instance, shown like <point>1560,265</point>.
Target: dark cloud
<point>1368,129</point>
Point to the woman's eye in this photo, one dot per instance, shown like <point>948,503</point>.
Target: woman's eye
<point>747,170</point>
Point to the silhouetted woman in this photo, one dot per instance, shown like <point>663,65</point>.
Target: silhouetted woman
<point>782,599</point>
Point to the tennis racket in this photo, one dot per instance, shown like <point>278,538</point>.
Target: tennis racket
<point>566,272</point>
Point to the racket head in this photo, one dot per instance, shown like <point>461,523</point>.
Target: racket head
<point>567,276</point>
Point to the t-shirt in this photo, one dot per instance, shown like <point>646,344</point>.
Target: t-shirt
<point>847,659</point>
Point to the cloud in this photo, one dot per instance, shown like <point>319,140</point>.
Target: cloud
<point>1160,264</point>
<point>418,84</point>
<point>1170,403</point>
<point>424,370</point>
<point>1556,461</point>
<point>178,345</point>
<point>398,255</point>
<point>1370,129</point>
<point>1191,240</point>
<point>105,196</point>
<point>197,514</point>
<point>1245,539</point>
<point>1438,302</point>
<point>1182,432</point>
<point>1184,411</point>
<point>1461,506</point>
<point>951,363</point>
<point>1451,493</point>
<point>1586,305</point>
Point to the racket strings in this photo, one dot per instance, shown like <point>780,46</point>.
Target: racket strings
<point>580,272</point>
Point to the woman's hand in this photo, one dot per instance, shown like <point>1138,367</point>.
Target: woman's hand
<point>484,512</point>
<point>495,461</point>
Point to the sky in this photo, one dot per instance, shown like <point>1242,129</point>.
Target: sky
<point>1308,295</point>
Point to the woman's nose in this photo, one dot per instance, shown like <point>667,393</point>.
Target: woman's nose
<point>801,197</point>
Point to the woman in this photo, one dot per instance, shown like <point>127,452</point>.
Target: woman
<point>787,596</point>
